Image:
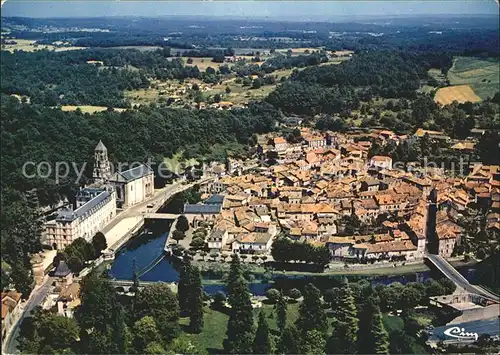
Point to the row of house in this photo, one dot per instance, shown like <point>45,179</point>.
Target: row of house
<point>315,185</point>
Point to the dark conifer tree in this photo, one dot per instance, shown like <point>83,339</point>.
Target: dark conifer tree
<point>345,324</point>
<point>311,313</point>
<point>281,308</point>
<point>240,327</point>
<point>195,301</point>
<point>262,341</point>
<point>183,287</point>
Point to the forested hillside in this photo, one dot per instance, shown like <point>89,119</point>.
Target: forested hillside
<point>36,133</point>
<point>336,88</point>
<point>51,78</point>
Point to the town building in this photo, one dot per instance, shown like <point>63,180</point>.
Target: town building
<point>280,144</point>
<point>11,311</point>
<point>217,239</point>
<point>380,162</point>
<point>133,185</point>
<point>95,207</point>
<point>257,243</point>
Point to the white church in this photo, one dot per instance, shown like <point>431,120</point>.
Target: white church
<point>96,204</point>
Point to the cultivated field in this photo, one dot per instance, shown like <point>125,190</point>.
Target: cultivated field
<point>482,75</point>
<point>459,93</point>
<point>30,46</point>
<point>88,109</point>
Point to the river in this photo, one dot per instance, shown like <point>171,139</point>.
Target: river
<point>146,250</point>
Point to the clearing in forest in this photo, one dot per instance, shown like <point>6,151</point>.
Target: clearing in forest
<point>27,45</point>
<point>459,93</point>
<point>483,75</point>
<point>88,109</point>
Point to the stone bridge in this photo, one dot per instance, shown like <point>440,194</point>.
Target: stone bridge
<point>451,273</point>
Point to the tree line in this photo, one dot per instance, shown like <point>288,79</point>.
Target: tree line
<point>339,88</point>
<point>285,250</point>
<point>343,319</point>
<point>107,323</point>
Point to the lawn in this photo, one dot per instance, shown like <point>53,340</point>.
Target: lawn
<point>215,326</point>
<point>481,74</point>
<point>214,330</point>
<point>426,89</point>
<point>203,63</point>
<point>392,323</point>
<point>437,75</point>
<point>299,51</point>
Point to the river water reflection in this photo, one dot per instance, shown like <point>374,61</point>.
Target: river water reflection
<point>147,249</point>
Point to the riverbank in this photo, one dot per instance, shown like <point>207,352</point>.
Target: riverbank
<point>258,270</point>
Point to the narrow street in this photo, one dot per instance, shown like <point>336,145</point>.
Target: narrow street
<point>37,297</point>
<point>40,293</point>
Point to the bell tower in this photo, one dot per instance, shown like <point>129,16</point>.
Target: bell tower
<point>102,168</point>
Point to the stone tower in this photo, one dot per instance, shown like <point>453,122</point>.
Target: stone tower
<point>102,168</point>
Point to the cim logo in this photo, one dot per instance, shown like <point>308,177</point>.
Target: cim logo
<point>460,333</point>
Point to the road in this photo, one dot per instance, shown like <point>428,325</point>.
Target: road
<point>451,273</point>
<point>158,199</point>
<point>37,296</point>
<point>40,293</point>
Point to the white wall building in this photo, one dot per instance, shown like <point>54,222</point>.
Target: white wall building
<point>258,243</point>
<point>133,186</point>
<point>95,207</point>
<point>381,162</point>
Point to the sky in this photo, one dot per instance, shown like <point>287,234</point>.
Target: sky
<point>324,10</point>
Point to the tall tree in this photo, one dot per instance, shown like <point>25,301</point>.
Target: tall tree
<point>158,300</point>
<point>98,302</point>
<point>96,314</point>
<point>183,288</point>
<point>145,332</point>
<point>59,332</point>
<point>195,305</point>
<point>281,309</point>
<point>240,327</point>
<point>289,341</point>
<point>314,343</point>
<point>311,313</point>
<point>19,236</point>
<point>262,341</point>
<point>99,243</point>
<point>379,334</point>
<point>372,337</point>
<point>22,279</point>
<point>182,223</point>
<point>44,329</point>
<point>119,330</point>
<point>345,324</point>
<point>400,342</point>
<point>135,277</point>
<point>235,270</point>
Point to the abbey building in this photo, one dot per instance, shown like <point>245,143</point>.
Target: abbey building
<point>96,204</point>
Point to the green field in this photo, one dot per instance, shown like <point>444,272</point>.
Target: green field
<point>481,74</point>
<point>215,326</point>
